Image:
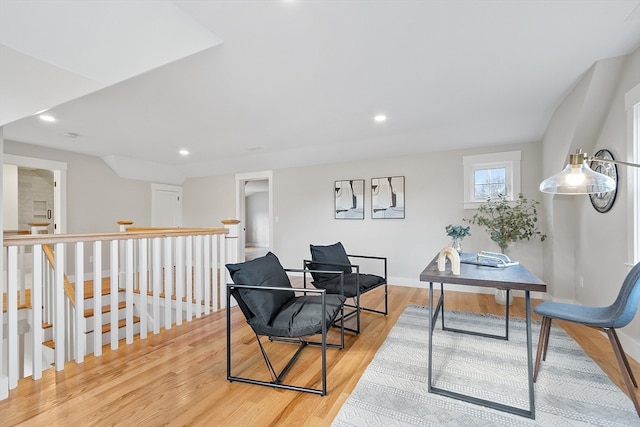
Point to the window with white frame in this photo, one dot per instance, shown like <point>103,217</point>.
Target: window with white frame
<point>489,175</point>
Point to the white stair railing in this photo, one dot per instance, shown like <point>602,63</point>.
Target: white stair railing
<point>164,277</point>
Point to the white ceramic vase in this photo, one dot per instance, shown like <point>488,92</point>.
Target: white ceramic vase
<point>501,297</point>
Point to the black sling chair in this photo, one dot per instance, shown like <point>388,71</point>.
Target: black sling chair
<point>354,283</point>
<point>274,309</point>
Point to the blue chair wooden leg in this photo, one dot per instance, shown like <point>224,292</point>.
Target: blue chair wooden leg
<point>543,344</point>
<point>625,369</point>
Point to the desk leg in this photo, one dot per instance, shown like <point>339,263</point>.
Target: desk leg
<point>527,299</point>
<point>506,315</point>
<point>471,399</point>
<point>431,324</point>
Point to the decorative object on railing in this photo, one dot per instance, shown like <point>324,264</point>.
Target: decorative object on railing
<point>165,277</point>
<point>39,227</point>
<point>124,223</point>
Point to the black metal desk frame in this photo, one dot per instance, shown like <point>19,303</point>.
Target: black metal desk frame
<point>430,274</point>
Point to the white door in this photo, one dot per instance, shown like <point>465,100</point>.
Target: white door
<point>166,205</point>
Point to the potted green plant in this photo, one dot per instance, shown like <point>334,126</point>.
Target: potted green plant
<point>508,222</point>
<point>457,233</point>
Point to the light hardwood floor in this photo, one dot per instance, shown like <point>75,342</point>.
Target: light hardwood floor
<point>179,376</point>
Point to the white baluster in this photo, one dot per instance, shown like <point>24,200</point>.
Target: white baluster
<point>198,279</point>
<point>113,298</point>
<point>80,341</point>
<point>206,265</point>
<point>179,278</point>
<point>157,283</point>
<point>129,291</point>
<point>215,266</point>
<point>143,268</point>
<point>168,282</point>
<point>36,312</point>
<point>59,308</point>
<point>189,277</point>
<point>97,298</point>
<point>224,275</point>
<point>12,317</point>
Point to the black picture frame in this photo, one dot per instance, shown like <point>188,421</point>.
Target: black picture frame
<point>349,199</point>
<point>388,197</point>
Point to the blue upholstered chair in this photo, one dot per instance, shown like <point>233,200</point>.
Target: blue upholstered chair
<point>606,319</point>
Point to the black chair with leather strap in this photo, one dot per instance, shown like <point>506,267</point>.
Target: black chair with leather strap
<point>274,309</point>
<point>335,258</point>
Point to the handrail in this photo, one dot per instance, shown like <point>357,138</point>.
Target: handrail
<point>16,232</point>
<point>149,229</point>
<point>43,239</point>
<point>68,286</point>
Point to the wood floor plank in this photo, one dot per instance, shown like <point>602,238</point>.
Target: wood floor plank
<point>178,377</point>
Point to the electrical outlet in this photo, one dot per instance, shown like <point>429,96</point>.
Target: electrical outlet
<point>581,281</point>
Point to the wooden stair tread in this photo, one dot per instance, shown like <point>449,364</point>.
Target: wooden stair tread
<point>105,309</point>
<point>105,289</point>
<point>27,302</point>
<point>121,324</point>
<point>173,297</point>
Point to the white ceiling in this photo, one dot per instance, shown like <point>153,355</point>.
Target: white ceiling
<point>298,82</point>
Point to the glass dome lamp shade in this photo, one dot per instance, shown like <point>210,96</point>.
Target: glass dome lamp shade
<point>578,178</point>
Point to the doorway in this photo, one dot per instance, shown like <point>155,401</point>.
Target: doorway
<point>39,196</point>
<point>255,212</point>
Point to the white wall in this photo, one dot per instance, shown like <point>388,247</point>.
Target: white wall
<point>303,202</point>
<point>10,197</point>
<point>585,259</point>
<point>207,201</point>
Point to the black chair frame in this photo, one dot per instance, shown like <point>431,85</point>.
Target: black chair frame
<point>277,378</point>
<point>356,307</point>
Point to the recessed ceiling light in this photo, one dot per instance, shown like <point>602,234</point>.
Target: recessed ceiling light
<point>380,118</point>
<point>70,134</point>
<point>256,148</point>
<point>47,118</point>
<point>184,152</point>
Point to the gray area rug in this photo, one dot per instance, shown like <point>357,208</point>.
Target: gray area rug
<point>571,389</point>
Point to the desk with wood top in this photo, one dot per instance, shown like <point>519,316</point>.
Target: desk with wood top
<point>509,278</point>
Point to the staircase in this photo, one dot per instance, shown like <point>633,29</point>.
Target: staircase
<point>89,318</point>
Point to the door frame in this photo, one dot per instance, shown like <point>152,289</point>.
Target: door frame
<point>241,179</point>
<point>59,170</point>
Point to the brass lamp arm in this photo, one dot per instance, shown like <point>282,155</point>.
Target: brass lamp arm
<point>617,162</point>
<point>579,157</point>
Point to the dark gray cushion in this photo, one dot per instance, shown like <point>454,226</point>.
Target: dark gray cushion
<point>366,282</point>
<point>263,271</point>
<point>329,254</point>
<point>302,316</point>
